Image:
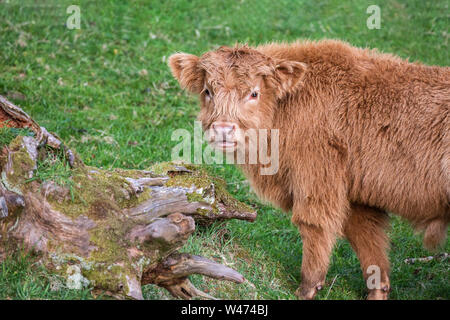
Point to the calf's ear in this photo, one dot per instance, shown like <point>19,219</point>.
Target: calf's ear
<point>288,75</point>
<point>185,69</point>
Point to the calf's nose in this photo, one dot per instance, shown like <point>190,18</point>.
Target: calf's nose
<point>223,129</point>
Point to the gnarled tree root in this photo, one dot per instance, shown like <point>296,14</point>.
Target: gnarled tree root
<point>172,273</point>
<point>113,230</point>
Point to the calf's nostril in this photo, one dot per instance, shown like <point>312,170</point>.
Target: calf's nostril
<point>230,131</point>
<point>224,130</point>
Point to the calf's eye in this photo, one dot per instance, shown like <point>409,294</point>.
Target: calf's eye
<point>207,92</point>
<point>254,95</point>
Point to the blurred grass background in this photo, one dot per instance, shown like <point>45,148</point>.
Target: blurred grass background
<point>107,91</point>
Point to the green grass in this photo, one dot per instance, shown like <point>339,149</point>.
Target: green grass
<point>22,277</point>
<point>8,134</point>
<point>89,86</point>
<point>54,167</point>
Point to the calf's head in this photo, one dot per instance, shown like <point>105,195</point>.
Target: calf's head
<point>238,89</point>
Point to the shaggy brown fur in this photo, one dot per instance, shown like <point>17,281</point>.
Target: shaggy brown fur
<point>361,133</point>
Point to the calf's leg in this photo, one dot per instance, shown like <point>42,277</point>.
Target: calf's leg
<point>320,206</point>
<point>317,246</point>
<point>365,230</point>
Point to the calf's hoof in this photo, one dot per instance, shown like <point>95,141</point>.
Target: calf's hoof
<point>378,294</point>
<point>307,293</point>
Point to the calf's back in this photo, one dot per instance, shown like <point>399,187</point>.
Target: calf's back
<point>388,121</point>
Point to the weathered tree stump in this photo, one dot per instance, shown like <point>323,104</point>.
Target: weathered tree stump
<point>114,230</point>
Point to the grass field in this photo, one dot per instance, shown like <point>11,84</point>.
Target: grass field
<point>107,91</point>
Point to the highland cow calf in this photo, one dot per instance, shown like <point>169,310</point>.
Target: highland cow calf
<point>361,134</point>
